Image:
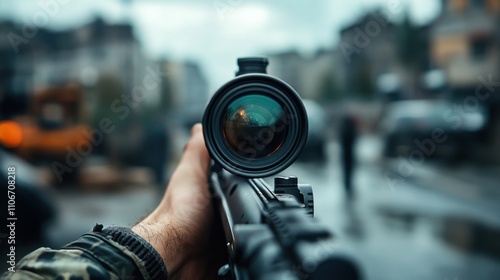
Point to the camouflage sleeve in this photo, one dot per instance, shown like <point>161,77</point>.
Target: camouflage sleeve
<point>93,256</point>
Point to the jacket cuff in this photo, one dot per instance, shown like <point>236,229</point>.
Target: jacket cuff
<point>124,236</point>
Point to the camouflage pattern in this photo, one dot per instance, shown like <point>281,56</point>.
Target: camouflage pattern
<point>92,256</point>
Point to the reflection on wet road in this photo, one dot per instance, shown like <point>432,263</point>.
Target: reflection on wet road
<point>418,229</point>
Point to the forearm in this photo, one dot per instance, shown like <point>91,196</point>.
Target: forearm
<point>96,255</point>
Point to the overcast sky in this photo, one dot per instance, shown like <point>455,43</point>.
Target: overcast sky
<point>197,30</point>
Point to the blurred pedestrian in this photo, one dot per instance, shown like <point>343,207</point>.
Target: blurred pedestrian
<point>348,135</point>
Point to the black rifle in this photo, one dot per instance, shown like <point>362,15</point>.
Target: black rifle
<point>270,234</point>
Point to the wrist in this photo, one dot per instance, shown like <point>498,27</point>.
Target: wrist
<point>167,240</point>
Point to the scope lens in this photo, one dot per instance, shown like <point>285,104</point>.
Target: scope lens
<point>254,126</point>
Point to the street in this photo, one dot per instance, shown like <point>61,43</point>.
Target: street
<point>419,228</point>
<point>427,226</point>
<point>98,100</point>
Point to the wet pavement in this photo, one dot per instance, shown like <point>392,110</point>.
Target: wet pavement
<point>430,225</point>
<point>434,224</point>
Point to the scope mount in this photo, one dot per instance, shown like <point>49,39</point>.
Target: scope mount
<point>287,189</point>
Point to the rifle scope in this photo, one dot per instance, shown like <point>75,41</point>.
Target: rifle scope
<point>255,125</point>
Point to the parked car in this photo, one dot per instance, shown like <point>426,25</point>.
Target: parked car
<point>409,125</point>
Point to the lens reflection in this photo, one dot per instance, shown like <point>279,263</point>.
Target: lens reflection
<point>254,126</point>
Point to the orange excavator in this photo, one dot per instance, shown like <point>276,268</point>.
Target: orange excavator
<point>51,127</point>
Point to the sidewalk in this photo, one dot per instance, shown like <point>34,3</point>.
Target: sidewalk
<point>484,178</point>
<point>471,182</point>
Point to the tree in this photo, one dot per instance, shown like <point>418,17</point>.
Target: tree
<point>328,88</point>
<point>412,46</point>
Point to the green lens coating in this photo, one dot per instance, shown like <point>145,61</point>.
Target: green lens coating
<point>254,126</point>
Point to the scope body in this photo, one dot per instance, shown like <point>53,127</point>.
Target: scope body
<point>256,126</point>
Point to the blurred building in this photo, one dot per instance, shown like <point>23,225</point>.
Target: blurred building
<point>84,55</point>
<point>184,91</point>
<point>317,77</point>
<point>118,84</point>
<point>5,56</point>
<point>367,55</point>
<point>370,48</point>
<point>376,48</point>
<point>6,66</point>
<point>465,44</point>
<point>324,74</point>
<point>288,66</point>
<point>377,58</point>
<point>15,82</point>
<point>90,50</point>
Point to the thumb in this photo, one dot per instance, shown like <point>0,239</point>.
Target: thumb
<point>195,162</point>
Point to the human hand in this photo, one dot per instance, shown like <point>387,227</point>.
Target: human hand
<point>180,227</point>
